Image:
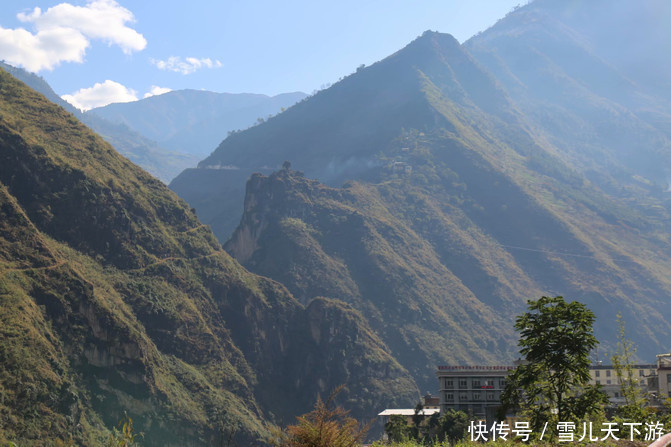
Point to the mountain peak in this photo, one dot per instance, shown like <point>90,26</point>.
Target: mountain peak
<point>346,131</point>
<point>430,44</point>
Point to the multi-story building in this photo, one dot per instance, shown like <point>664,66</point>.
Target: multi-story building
<point>606,375</point>
<point>664,376</point>
<point>473,389</point>
<point>477,389</point>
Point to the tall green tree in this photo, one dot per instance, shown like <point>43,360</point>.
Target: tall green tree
<point>634,408</point>
<point>397,428</point>
<point>556,338</point>
<point>453,426</point>
<point>417,419</point>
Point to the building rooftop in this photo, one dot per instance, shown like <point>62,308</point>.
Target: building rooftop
<point>408,412</point>
<point>475,368</point>
<point>637,366</point>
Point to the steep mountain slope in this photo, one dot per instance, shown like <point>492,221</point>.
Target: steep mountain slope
<point>577,76</point>
<point>349,243</point>
<point>336,134</point>
<point>462,209</point>
<point>115,298</point>
<point>158,161</point>
<point>194,121</point>
<point>631,37</point>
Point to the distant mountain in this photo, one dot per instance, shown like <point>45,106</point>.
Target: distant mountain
<point>462,204</point>
<point>195,121</point>
<point>630,37</point>
<point>163,163</point>
<point>578,76</point>
<point>158,161</point>
<point>116,298</point>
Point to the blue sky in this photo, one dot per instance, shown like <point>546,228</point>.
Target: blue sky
<point>105,50</point>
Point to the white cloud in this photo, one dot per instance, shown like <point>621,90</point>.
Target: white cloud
<point>156,90</point>
<point>186,66</point>
<point>43,50</point>
<point>100,95</point>
<point>63,33</point>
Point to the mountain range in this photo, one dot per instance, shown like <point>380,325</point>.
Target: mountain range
<point>168,133</point>
<point>397,220</point>
<point>194,122</point>
<point>116,298</point>
<point>458,181</point>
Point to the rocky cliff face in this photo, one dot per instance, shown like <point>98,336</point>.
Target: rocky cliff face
<point>116,298</point>
<point>430,266</point>
<point>348,244</point>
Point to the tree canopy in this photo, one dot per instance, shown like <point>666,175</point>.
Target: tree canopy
<point>556,338</point>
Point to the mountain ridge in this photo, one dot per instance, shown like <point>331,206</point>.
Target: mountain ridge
<point>445,163</point>
<point>157,160</point>
<point>194,121</point>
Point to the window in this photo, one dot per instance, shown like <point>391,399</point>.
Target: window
<point>449,383</point>
<point>640,373</point>
<point>490,396</point>
<point>476,396</point>
<point>489,383</point>
<point>598,382</point>
<point>608,382</point>
<point>502,383</point>
<point>597,373</point>
<point>608,373</point>
<point>463,383</point>
<point>463,396</point>
<point>449,397</point>
<point>476,384</point>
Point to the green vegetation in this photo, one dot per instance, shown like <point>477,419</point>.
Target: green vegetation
<point>635,407</point>
<point>451,427</point>
<point>550,385</point>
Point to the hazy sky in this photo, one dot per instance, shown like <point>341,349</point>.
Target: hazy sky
<point>102,51</point>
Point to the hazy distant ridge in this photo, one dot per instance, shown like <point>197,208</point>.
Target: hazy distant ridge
<point>195,121</point>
